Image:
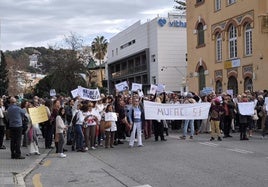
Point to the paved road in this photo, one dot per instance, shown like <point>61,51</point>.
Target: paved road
<point>173,163</point>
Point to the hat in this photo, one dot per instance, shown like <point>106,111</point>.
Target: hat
<point>217,100</point>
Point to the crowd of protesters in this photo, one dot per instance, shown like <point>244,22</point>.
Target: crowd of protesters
<point>79,121</point>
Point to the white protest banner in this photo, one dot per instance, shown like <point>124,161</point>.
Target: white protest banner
<point>52,92</point>
<point>246,108</point>
<point>136,87</point>
<point>160,88</point>
<point>160,111</point>
<point>122,86</point>
<point>153,89</point>
<point>110,116</point>
<point>74,93</point>
<point>89,94</point>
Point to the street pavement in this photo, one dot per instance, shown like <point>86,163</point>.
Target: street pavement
<point>99,165</point>
<point>14,171</point>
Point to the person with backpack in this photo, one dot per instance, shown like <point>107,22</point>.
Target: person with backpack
<point>215,112</point>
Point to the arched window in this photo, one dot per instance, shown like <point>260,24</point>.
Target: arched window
<point>233,85</point>
<point>200,34</point>
<point>248,84</point>
<point>248,39</point>
<point>218,87</point>
<point>218,47</point>
<point>202,78</point>
<point>232,41</point>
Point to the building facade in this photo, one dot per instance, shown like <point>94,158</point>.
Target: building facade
<point>226,45</point>
<point>149,53</point>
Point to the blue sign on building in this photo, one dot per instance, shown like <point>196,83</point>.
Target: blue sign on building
<point>174,23</point>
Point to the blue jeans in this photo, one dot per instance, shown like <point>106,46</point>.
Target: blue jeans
<point>185,127</point>
<point>79,136</point>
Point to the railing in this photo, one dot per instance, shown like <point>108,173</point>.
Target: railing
<point>129,71</point>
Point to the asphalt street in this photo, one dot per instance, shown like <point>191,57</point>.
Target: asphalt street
<point>197,162</point>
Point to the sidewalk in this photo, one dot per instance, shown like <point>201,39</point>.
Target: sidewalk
<point>13,171</point>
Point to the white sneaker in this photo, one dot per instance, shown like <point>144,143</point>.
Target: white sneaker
<point>86,148</point>
<point>93,148</point>
<point>61,155</point>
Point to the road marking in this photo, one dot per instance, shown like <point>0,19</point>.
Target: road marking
<point>209,144</point>
<point>47,163</point>
<point>36,180</point>
<point>241,151</point>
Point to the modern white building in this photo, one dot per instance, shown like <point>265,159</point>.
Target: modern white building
<point>150,53</point>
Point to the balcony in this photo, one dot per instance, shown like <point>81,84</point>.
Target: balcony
<point>129,71</point>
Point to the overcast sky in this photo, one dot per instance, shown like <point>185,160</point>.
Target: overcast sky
<point>35,23</point>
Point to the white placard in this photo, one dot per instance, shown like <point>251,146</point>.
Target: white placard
<point>153,89</point>
<point>122,86</point>
<point>110,116</point>
<point>89,94</point>
<point>136,87</point>
<point>74,93</point>
<point>160,88</point>
<point>246,108</point>
<point>52,92</point>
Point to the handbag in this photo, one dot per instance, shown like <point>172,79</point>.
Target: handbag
<point>261,114</point>
<point>105,125</point>
<point>255,116</point>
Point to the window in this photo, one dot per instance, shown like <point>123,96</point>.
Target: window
<point>153,58</point>
<point>202,78</point>
<point>232,42</point>
<point>199,1</point>
<point>218,47</point>
<point>116,51</point>
<point>217,5</point>
<point>200,34</point>
<point>112,53</point>
<point>248,40</point>
<point>231,2</point>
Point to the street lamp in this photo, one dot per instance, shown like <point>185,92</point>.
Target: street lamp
<point>184,76</point>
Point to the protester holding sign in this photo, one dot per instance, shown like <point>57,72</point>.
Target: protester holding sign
<point>244,119</point>
<point>189,100</point>
<point>110,132</point>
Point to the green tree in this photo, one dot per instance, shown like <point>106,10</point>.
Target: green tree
<point>99,50</point>
<point>64,75</point>
<point>3,75</point>
<point>180,5</point>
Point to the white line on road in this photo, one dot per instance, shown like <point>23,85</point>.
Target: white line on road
<point>241,151</point>
<point>209,144</point>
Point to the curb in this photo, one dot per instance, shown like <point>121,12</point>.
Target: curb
<point>19,178</point>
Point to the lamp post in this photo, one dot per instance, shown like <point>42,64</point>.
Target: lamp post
<point>184,76</point>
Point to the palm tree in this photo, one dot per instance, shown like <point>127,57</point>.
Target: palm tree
<point>99,50</point>
<point>181,5</point>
